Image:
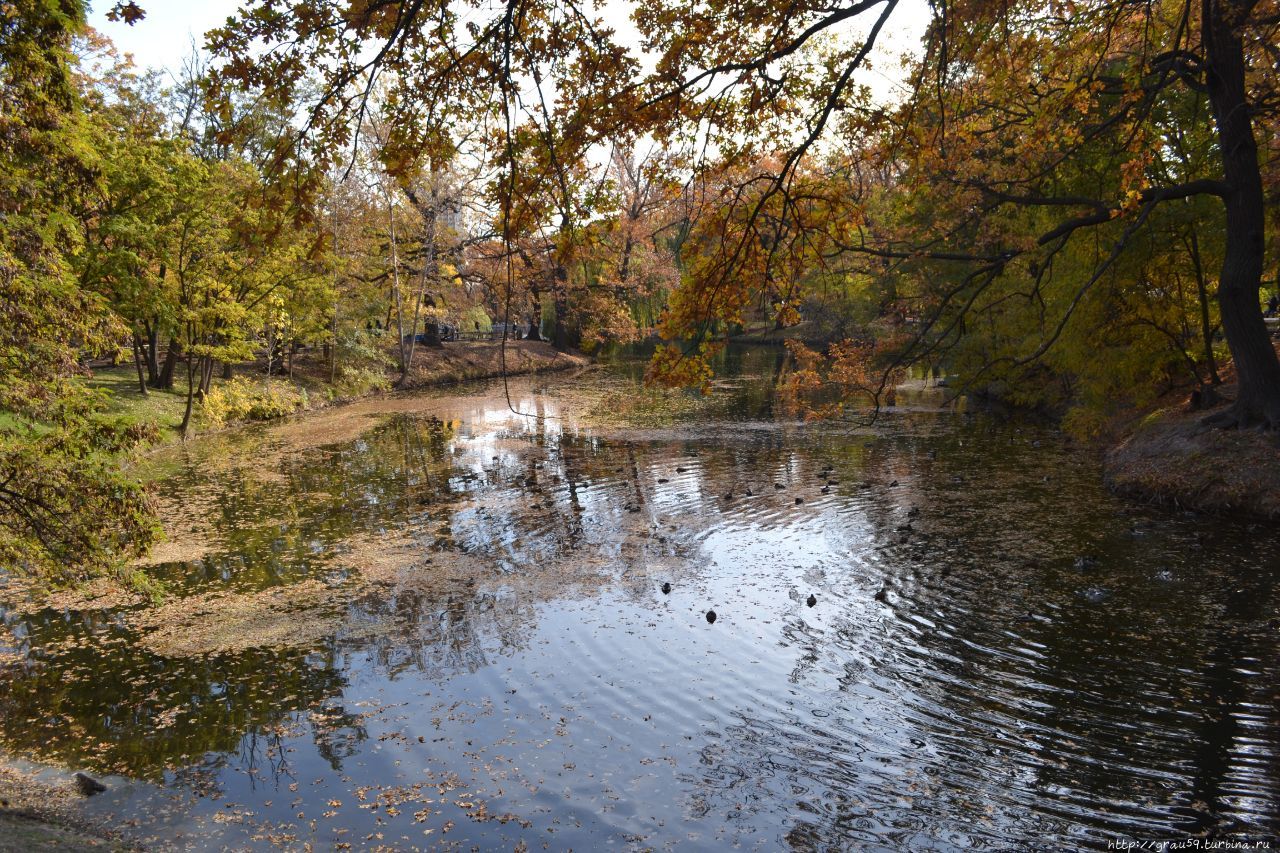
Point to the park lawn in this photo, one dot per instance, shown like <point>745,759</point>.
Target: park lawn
<point>162,408</point>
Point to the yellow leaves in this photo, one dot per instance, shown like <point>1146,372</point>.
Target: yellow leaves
<point>786,313</point>
<point>674,367</point>
<point>1129,204</point>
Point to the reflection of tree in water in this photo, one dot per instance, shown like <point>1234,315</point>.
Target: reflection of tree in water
<point>272,532</point>
<point>1024,702</point>
<point>90,696</point>
<point>1232,751</point>
<point>937,680</point>
<point>336,732</point>
<point>1133,711</point>
<point>1132,701</point>
<point>442,630</point>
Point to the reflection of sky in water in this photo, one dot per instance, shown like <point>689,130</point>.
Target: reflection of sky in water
<point>958,683</point>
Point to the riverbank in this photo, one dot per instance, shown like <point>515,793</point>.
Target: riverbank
<point>39,813</point>
<point>1167,456</point>
<point>307,388</point>
<point>1172,458</point>
<point>465,362</point>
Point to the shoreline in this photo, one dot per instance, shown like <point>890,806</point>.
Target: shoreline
<point>40,809</point>
<point>455,364</point>
<point>473,362</point>
<point>1170,458</point>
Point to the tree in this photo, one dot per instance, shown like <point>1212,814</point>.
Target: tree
<point>1034,114</point>
<point>59,472</point>
<point>436,72</point>
<point>1028,131</point>
<point>125,217</point>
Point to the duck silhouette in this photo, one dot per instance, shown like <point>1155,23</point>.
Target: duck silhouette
<point>88,785</point>
<point>812,600</point>
<point>666,588</point>
<point>711,616</point>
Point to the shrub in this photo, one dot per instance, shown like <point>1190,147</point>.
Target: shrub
<point>244,399</point>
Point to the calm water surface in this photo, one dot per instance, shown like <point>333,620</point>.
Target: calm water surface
<point>514,673</point>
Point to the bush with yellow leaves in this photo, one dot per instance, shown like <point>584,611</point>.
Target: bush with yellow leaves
<point>243,399</point>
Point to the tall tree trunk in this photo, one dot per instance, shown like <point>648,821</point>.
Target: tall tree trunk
<point>428,273</point>
<point>562,337</point>
<point>206,375</point>
<point>1257,368</point>
<point>331,354</point>
<point>535,316</point>
<point>152,353</point>
<point>1206,325</point>
<point>171,357</point>
<point>395,284</point>
<point>185,427</point>
<point>271,348</point>
<point>137,362</point>
<point>624,268</point>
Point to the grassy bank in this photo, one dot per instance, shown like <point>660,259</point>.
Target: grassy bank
<point>308,388</point>
<point>1172,458</point>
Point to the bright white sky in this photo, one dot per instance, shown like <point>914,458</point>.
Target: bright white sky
<point>163,38</point>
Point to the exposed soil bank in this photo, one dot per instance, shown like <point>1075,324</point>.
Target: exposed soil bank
<point>461,362</point>
<point>1171,458</point>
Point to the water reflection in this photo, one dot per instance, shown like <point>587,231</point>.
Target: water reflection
<point>499,643</point>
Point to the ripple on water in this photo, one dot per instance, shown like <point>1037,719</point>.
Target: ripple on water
<point>958,681</point>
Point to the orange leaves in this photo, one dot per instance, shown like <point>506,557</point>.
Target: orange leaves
<point>823,385</point>
<point>757,241</point>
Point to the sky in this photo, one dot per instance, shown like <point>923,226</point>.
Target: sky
<point>163,38</point>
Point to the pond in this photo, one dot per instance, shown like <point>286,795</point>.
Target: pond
<point>425,620</point>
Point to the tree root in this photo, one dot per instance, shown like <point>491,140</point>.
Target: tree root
<point>1240,415</point>
<point>1205,397</point>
